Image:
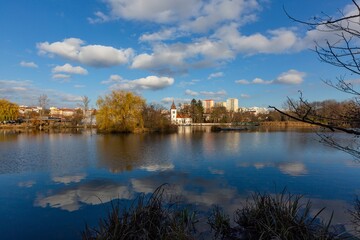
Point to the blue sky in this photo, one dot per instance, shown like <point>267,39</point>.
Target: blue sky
<point>164,50</point>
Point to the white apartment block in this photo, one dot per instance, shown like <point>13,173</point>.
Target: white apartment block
<point>220,104</point>
<point>208,105</point>
<point>232,104</point>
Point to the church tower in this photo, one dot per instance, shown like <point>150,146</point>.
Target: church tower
<point>173,112</point>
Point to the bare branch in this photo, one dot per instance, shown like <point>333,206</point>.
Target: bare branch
<point>306,120</point>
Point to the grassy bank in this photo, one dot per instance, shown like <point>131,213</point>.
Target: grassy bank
<point>264,216</point>
<point>287,124</point>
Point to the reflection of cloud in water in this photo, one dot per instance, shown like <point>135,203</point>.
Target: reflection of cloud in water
<point>289,168</point>
<point>158,167</point>
<point>259,165</point>
<point>69,179</point>
<point>203,193</point>
<point>91,193</point>
<point>293,169</point>
<point>216,171</point>
<point>199,191</point>
<point>27,184</point>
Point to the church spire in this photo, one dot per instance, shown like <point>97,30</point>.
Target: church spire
<point>173,105</point>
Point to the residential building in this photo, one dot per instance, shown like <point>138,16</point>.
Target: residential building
<point>208,105</point>
<point>23,110</point>
<point>220,104</point>
<point>232,104</point>
<point>62,112</point>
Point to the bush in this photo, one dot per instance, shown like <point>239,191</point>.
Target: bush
<point>282,216</point>
<point>264,216</point>
<point>146,218</point>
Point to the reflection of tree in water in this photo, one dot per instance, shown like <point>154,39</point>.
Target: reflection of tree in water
<point>125,152</point>
<point>8,135</point>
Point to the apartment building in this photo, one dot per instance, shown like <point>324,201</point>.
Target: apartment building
<point>208,105</point>
<point>232,104</point>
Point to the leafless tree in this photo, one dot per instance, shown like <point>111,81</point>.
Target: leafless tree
<point>344,53</point>
<point>85,101</point>
<point>43,101</point>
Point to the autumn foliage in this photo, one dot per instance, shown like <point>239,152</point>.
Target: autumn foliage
<point>120,111</point>
<point>8,110</point>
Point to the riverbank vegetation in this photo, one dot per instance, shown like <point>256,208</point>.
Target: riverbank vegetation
<point>125,112</point>
<point>8,111</point>
<point>264,216</point>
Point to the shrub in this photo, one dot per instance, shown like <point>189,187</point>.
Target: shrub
<point>146,218</point>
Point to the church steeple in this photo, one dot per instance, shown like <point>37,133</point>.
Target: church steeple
<point>173,112</point>
<point>173,105</point>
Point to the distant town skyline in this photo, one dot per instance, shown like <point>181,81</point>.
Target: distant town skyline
<point>165,50</point>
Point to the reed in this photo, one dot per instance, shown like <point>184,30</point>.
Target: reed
<point>264,216</point>
<point>151,217</point>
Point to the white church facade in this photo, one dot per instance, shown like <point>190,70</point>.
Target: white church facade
<point>178,118</point>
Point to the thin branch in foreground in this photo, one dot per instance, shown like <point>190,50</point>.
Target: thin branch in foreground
<point>327,126</point>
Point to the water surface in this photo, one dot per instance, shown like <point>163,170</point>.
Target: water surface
<point>52,184</point>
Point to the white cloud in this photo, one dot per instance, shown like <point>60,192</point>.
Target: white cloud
<point>147,83</point>
<point>159,11</point>
<point>113,79</point>
<point>25,92</point>
<point>79,86</point>
<point>167,100</point>
<point>215,12</point>
<point>216,75</point>
<point>245,96</point>
<point>222,18</point>
<point>100,18</point>
<point>189,15</point>
<point>261,81</point>
<point>68,68</point>
<point>179,57</point>
<point>28,64</point>
<point>242,81</point>
<point>92,55</point>
<point>276,41</point>
<point>291,77</point>
<point>184,83</point>
<point>14,90</point>
<point>214,94</point>
<point>61,76</point>
<point>165,34</point>
<point>191,93</point>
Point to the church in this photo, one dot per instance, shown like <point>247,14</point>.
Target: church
<point>178,118</point>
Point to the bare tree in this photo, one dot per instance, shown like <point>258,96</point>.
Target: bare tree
<point>85,101</point>
<point>43,101</point>
<point>344,52</point>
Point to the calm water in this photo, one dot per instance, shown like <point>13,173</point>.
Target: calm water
<point>51,184</point>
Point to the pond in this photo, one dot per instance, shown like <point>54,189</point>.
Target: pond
<point>52,184</point>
